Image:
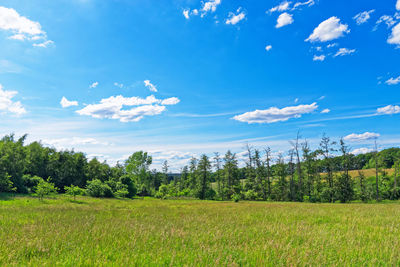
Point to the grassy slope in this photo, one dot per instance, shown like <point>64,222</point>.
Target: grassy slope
<point>178,232</point>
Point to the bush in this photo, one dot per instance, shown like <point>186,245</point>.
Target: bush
<point>236,197</point>
<point>45,188</point>
<point>30,182</point>
<point>73,191</point>
<point>250,195</point>
<point>121,190</point>
<point>162,191</point>
<point>6,185</point>
<point>97,188</point>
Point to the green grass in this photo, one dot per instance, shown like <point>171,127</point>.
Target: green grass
<point>149,232</point>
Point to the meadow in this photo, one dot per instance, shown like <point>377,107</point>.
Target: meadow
<point>149,232</point>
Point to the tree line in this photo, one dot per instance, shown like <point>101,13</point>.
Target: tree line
<point>301,174</point>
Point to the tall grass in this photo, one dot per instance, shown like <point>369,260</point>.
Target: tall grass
<point>152,232</point>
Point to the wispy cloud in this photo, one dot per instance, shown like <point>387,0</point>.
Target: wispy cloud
<point>275,114</point>
<point>363,17</point>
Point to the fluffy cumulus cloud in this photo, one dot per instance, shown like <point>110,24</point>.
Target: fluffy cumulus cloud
<point>388,110</point>
<point>65,103</point>
<point>394,37</point>
<point>112,108</point>
<point>344,52</point>
<point>150,86</point>
<point>283,20</point>
<point>22,28</point>
<point>268,47</point>
<point>328,30</point>
<point>234,19</point>
<point>363,17</point>
<point>361,137</point>
<point>8,105</point>
<point>319,58</point>
<point>362,150</point>
<point>393,81</point>
<point>325,111</point>
<point>210,6</point>
<point>275,114</point>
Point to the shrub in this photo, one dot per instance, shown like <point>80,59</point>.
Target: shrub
<point>236,197</point>
<point>97,188</point>
<point>30,182</point>
<point>73,191</point>
<point>45,188</point>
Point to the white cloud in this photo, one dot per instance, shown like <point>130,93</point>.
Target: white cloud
<point>394,38</point>
<point>319,58</point>
<point>328,30</point>
<point>332,45</point>
<point>120,85</point>
<point>210,6</point>
<point>21,27</point>
<point>361,137</point>
<point>388,20</point>
<point>44,44</point>
<point>94,85</point>
<point>234,19</point>
<point>393,81</point>
<point>65,103</point>
<point>62,143</point>
<point>398,5</point>
<point>362,150</point>
<point>170,101</point>
<point>186,13</point>
<point>388,110</point>
<point>6,103</point>
<point>307,3</point>
<point>112,108</point>
<point>363,17</point>
<point>325,111</point>
<point>281,7</point>
<point>275,114</point>
<point>150,86</point>
<point>283,20</point>
<point>344,52</point>
<point>268,47</point>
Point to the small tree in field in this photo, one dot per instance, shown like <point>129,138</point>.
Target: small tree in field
<point>73,191</point>
<point>45,188</point>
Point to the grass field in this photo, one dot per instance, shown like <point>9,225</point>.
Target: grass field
<point>196,233</point>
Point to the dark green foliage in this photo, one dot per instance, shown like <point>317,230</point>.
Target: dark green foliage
<point>319,175</point>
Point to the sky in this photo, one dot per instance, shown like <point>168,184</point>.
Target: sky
<point>181,78</point>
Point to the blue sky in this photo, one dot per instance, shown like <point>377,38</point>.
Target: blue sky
<point>184,77</point>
